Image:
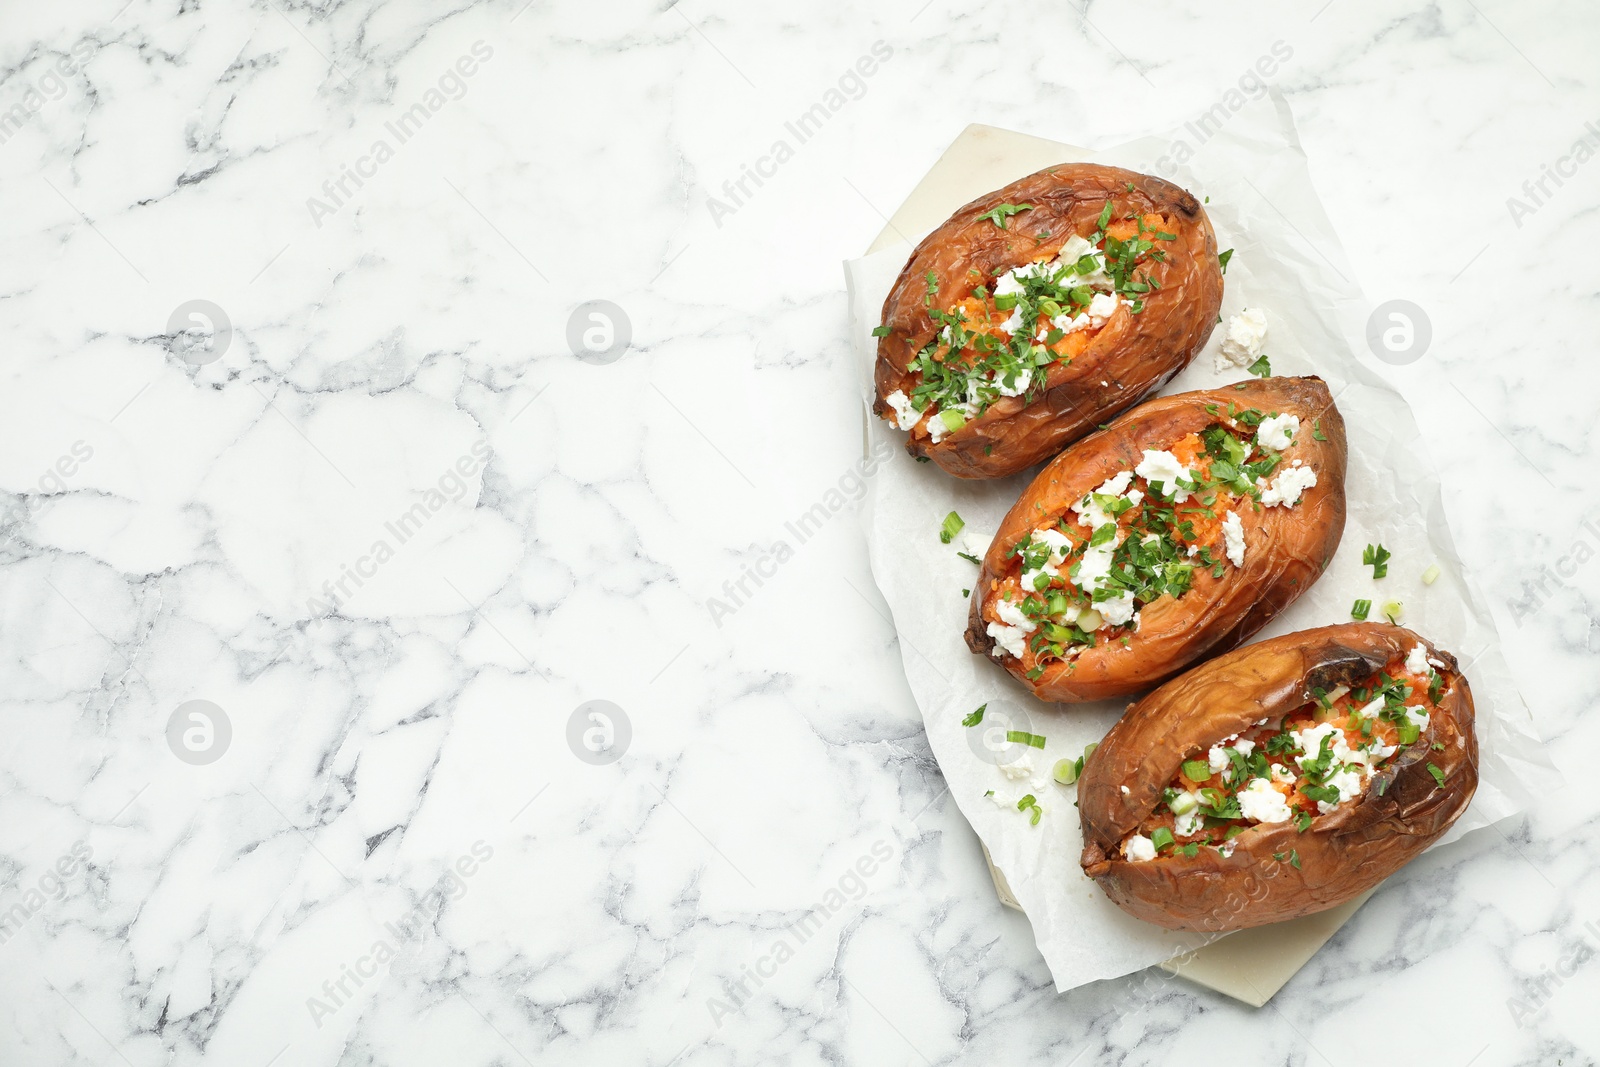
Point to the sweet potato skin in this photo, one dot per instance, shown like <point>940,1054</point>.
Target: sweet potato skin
<point>1288,547</point>
<point>1342,854</point>
<point>1134,354</point>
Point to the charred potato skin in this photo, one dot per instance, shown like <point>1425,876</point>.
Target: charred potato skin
<point>1134,354</point>
<point>1341,854</point>
<point>1287,548</point>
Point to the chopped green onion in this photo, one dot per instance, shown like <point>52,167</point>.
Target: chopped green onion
<point>1197,770</point>
<point>953,420</point>
<point>1360,609</point>
<point>953,525</point>
<point>1391,610</point>
<point>1183,803</point>
<point>969,557</point>
<point>1022,737</point>
<point>1430,575</point>
<point>1162,838</point>
<point>1067,770</point>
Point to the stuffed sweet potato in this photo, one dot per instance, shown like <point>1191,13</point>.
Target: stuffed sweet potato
<point>1041,310</point>
<point>1174,534</point>
<point>1279,780</point>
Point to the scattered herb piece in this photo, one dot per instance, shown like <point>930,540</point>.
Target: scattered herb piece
<point>975,718</point>
<point>1261,368</point>
<point>1223,257</point>
<point>1376,557</point>
<point>1438,775</point>
<point>953,525</point>
<point>999,214</point>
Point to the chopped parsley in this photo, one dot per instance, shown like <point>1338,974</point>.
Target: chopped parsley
<point>1376,557</point>
<point>999,214</point>
<point>975,717</point>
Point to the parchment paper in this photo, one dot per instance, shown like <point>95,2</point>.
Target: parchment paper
<point>1287,262</point>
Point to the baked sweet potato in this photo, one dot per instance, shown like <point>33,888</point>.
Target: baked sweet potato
<point>1279,780</point>
<point>1041,310</point>
<point>1105,578</point>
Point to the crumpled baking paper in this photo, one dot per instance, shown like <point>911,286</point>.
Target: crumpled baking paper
<point>1287,262</point>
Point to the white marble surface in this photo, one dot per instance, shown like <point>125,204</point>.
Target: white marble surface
<point>603,912</point>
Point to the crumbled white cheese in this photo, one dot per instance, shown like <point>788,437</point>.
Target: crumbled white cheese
<point>1019,384</point>
<point>1139,849</point>
<point>1012,615</point>
<point>1089,511</point>
<point>1094,566</point>
<point>1188,824</point>
<point>1162,470</point>
<point>1117,610</point>
<point>1259,802</point>
<point>1309,741</point>
<point>1014,322</point>
<point>1368,710</point>
<point>1067,259</point>
<point>1012,639</point>
<point>1017,769</point>
<point>1233,538</point>
<point>1071,323</point>
<point>1218,757</point>
<point>1280,773</point>
<point>1245,339</point>
<point>1347,781</point>
<point>1277,431</point>
<point>1418,716</point>
<point>1060,544</point>
<point>905,415</point>
<point>1417,660</point>
<point>1101,308</point>
<point>1287,487</point>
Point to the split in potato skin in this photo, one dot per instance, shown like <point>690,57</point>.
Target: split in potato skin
<point>1317,758</point>
<point>1264,460</point>
<point>1076,582</point>
<point>999,344</point>
<point>1357,835</point>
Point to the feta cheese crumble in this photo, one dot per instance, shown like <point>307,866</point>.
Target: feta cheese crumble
<point>905,415</point>
<point>1233,539</point>
<point>1277,431</point>
<point>1139,849</point>
<point>1287,487</point>
<point>1259,802</point>
<point>1010,639</point>
<point>1245,339</point>
<point>1417,660</point>
<point>1163,469</point>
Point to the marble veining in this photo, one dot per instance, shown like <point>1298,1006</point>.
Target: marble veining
<point>344,548</point>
